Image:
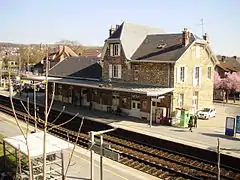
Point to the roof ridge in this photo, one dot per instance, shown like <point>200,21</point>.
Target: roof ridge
<point>138,24</point>
<point>164,34</point>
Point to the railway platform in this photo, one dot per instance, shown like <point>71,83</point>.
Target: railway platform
<point>80,165</point>
<point>204,136</point>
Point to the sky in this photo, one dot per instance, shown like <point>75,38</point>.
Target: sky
<point>88,21</point>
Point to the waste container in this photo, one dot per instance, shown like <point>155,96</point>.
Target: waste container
<point>184,118</point>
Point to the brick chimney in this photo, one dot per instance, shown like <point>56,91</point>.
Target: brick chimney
<point>206,37</point>
<point>223,58</point>
<point>111,31</point>
<point>185,37</point>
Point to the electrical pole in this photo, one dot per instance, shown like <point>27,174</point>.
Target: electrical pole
<point>202,25</point>
<point>35,108</point>
<point>101,157</point>
<point>46,119</point>
<point>19,66</point>
<point>28,60</point>
<point>218,151</point>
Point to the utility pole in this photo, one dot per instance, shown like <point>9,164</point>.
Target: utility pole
<point>202,25</point>
<point>35,108</point>
<point>218,151</point>
<point>46,119</point>
<point>19,66</point>
<point>28,60</point>
<point>150,112</point>
<point>1,63</point>
<point>101,157</point>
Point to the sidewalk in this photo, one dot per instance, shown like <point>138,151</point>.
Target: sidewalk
<point>205,136</point>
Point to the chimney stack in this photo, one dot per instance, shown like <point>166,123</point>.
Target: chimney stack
<point>223,58</point>
<point>206,37</point>
<point>111,31</point>
<point>185,37</point>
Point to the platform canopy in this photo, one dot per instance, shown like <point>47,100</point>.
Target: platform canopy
<point>35,144</point>
<point>155,91</point>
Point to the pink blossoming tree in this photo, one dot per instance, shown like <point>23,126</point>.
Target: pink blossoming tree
<point>232,83</point>
<point>217,81</point>
<point>229,84</point>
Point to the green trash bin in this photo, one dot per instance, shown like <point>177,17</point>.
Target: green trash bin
<point>184,118</point>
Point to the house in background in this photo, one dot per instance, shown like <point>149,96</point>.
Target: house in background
<point>227,64</point>
<point>58,54</point>
<point>73,71</point>
<point>148,74</point>
<point>91,52</point>
<point>78,67</point>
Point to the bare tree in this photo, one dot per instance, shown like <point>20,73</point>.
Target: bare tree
<point>47,112</point>
<point>19,126</point>
<point>46,127</point>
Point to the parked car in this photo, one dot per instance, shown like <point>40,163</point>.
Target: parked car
<point>206,113</point>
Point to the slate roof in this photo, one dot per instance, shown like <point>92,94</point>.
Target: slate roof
<point>230,63</point>
<point>171,47</point>
<point>80,66</point>
<point>132,35</point>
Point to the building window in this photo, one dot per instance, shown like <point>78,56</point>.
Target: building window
<point>197,51</point>
<point>209,73</point>
<point>136,75</point>
<point>133,105</point>
<point>196,76</point>
<point>115,100</point>
<point>182,74</point>
<point>180,100</point>
<point>115,71</point>
<point>138,105</point>
<point>115,49</point>
<point>124,102</point>
<point>195,100</point>
<point>144,105</point>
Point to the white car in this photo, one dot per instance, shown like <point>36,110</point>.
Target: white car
<point>206,113</point>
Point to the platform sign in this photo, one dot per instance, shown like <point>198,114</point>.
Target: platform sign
<point>238,124</point>
<point>230,126</point>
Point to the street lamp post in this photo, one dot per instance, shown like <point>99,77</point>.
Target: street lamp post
<point>92,134</point>
<point>35,109</point>
<point>151,112</point>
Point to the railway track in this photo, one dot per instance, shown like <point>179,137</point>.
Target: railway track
<point>155,161</point>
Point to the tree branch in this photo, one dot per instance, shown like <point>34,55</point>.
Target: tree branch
<point>63,109</point>
<point>20,128</point>
<point>53,95</point>
<point>75,144</point>
<point>59,125</point>
<point>13,107</point>
<point>28,112</point>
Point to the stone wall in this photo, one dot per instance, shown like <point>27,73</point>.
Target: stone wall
<point>205,89</point>
<point>115,60</point>
<point>149,73</point>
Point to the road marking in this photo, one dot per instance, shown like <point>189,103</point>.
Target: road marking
<point>112,172</point>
